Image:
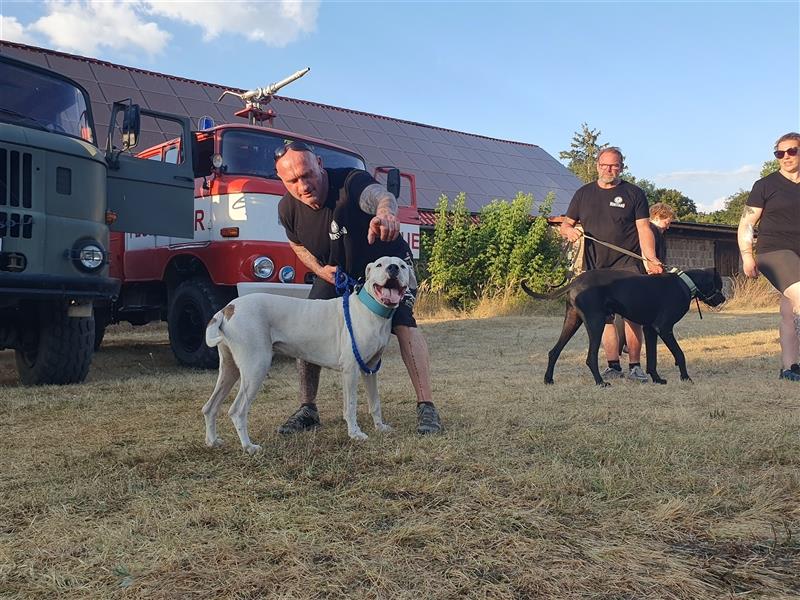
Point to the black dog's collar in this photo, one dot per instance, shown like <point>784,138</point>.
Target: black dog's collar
<point>689,283</point>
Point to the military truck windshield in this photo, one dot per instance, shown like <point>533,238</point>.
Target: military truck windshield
<point>247,152</point>
<point>32,98</point>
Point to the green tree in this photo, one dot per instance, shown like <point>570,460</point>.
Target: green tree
<point>453,255</point>
<point>685,208</point>
<point>467,260</point>
<point>682,205</point>
<point>770,167</point>
<point>582,156</point>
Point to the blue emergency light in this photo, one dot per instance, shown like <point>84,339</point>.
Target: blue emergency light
<point>205,122</point>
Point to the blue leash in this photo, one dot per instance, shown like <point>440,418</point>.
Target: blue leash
<point>344,286</point>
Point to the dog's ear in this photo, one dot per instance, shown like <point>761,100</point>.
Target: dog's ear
<point>367,270</point>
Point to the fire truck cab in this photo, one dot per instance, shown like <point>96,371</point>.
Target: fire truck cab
<point>238,245</point>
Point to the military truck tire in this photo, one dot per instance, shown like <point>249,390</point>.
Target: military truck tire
<point>193,304</point>
<point>57,349</point>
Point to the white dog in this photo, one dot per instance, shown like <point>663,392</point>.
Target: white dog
<point>250,329</point>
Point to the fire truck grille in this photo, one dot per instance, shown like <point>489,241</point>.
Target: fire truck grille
<point>15,225</point>
<point>16,179</point>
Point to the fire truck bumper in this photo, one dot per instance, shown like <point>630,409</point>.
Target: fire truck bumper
<point>296,290</point>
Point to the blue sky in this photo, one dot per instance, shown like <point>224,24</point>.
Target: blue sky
<point>695,93</point>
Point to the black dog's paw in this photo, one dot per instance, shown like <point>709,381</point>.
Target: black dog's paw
<point>687,379</point>
<point>548,381</point>
<point>659,381</point>
<point>603,384</point>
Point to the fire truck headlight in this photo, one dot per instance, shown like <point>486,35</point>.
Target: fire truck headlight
<point>88,256</point>
<point>263,267</point>
<point>286,274</point>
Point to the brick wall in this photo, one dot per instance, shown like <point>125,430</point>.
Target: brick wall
<point>689,253</point>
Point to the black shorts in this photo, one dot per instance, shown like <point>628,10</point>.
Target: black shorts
<point>780,267</point>
<point>403,316</point>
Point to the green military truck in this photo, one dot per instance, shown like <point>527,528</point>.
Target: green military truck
<point>60,194</point>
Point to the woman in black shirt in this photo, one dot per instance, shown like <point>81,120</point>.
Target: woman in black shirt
<point>774,205</point>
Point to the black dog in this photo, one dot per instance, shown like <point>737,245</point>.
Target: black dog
<point>655,301</point>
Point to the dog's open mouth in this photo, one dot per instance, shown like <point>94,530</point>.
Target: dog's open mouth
<point>390,293</point>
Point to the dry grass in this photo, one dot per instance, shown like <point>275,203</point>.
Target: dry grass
<point>752,294</point>
<point>564,491</point>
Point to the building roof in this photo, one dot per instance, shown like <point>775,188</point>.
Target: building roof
<point>443,161</point>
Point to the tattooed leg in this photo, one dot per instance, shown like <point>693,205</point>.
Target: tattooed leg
<point>790,325</point>
<point>414,351</point>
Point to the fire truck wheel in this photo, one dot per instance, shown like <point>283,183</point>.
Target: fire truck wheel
<point>193,304</point>
<point>56,349</point>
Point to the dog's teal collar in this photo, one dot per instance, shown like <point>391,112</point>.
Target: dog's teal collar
<point>375,306</point>
<point>689,283</point>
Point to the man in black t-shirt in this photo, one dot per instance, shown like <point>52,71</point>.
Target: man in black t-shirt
<point>614,211</point>
<point>343,217</point>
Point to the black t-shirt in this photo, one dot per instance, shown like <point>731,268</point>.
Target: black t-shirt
<point>336,234</point>
<point>610,215</point>
<point>779,227</point>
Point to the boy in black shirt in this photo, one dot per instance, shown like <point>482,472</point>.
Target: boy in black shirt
<point>661,217</point>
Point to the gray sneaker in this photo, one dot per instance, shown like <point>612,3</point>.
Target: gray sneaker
<point>428,420</point>
<point>637,374</point>
<point>611,373</point>
<point>790,374</point>
<point>304,418</point>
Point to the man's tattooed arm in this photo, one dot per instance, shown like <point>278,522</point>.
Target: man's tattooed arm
<point>376,200</point>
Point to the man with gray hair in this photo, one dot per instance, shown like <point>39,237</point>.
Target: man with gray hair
<point>615,211</point>
<point>343,217</point>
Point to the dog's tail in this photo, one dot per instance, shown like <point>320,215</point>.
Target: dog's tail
<point>214,334</point>
<point>556,293</point>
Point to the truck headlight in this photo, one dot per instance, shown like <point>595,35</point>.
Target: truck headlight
<point>88,256</point>
<point>263,267</point>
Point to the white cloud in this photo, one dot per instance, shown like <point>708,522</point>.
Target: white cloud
<point>12,30</point>
<point>275,23</point>
<point>84,26</point>
<point>709,189</point>
<point>90,26</point>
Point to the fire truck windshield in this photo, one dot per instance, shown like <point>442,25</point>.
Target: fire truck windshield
<point>248,152</point>
<point>35,99</point>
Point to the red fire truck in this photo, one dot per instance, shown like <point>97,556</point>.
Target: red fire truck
<point>239,247</point>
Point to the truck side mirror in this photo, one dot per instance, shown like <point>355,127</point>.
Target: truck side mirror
<point>393,181</point>
<point>131,126</point>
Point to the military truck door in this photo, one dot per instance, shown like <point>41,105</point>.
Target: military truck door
<point>149,196</point>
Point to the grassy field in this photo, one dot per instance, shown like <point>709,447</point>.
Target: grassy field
<point>564,491</point>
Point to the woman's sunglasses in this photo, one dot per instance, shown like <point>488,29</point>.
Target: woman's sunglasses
<point>789,151</point>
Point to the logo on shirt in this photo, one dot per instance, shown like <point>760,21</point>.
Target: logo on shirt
<point>336,231</point>
<point>617,202</point>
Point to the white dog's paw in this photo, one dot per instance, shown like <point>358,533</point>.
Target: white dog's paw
<point>383,427</point>
<point>215,443</point>
<point>252,449</point>
<point>358,435</point>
